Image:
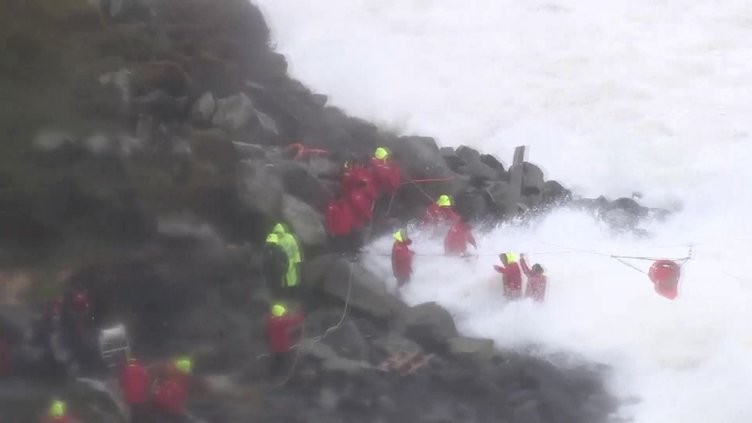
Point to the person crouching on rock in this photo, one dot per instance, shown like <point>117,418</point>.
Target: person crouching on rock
<point>511,275</point>
<point>457,239</point>
<point>402,258</point>
<point>536,280</point>
<point>284,330</point>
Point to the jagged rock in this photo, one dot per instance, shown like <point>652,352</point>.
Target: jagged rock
<point>494,163</point>
<point>502,199</point>
<point>331,361</point>
<point>430,324</point>
<point>305,222</point>
<point>533,182</point>
<point>346,340</point>
<point>159,103</point>
<point>234,113</point>
<point>420,159</point>
<point>554,192</point>
<point>259,188</point>
<point>367,294</point>
<point>477,348</point>
<point>203,109</point>
<point>451,158</point>
<point>471,204</point>
<point>473,165</point>
<point>302,184</point>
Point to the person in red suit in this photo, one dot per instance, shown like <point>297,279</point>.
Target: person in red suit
<point>283,331</point>
<point>402,258</point>
<point>387,174</point>
<point>512,277</point>
<point>361,202</point>
<point>134,384</point>
<point>441,212</point>
<point>58,413</point>
<point>536,281</point>
<point>356,177</point>
<point>171,392</point>
<point>342,226</point>
<point>457,239</point>
<point>665,276</point>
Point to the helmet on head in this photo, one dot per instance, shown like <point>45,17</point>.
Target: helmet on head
<point>399,236</point>
<point>272,239</point>
<point>184,365</point>
<point>278,310</point>
<point>279,228</point>
<point>57,409</point>
<point>511,257</point>
<point>381,153</point>
<point>444,201</point>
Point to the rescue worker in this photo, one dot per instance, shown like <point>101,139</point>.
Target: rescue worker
<point>283,331</point>
<point>441,212</point>
<point>402,258</point>
<point>362,202</point>
<point>341,225</point>
<point>134,384</point>
<point>356,177</point>
<point>512,276</point>
<point>457,239</point>
<point>58,413</point>
<point>386,173</point>
<point>275,265</point>
<point>171,392</point>
<point>536,280</point>
<point>288,243</point>
<point>665,276</point>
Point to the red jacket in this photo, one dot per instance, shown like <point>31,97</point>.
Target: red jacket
<point>361,203</point>
<point>169,397</point>
<point>340,218</point>
<point>457,238</point>
<point>387,176</point>
<point>435,215</point>
<point>512,280</point>
<point>357,178</point>
<point>134,382</point>
<point>402,260</point>
<point>280,331</point>
<point>536,283</point>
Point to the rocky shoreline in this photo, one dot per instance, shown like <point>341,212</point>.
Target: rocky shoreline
<point>146,157</point>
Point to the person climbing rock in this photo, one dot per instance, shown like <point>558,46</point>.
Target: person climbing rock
<point>441,212</point>
<point>275,265</point>
<point>171,391</point>
<point>289,244</point>
<point>342,227</point>
<point>134,384</point>
<point>512,277</point>
<point>402,258</point>
<point>457,239</point>
<point>536,280</point>
<point>283,331</point>
<point>387,174</point>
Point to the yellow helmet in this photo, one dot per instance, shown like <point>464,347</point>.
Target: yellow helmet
<point>511,257</point>
<point>398,236</point>
<point>272,239</point>
<point>184,365</point>
<point>57,409</point>
<point>444,201</point>
<point>381,153</point>
<point>279,229</point>
<point>278,310</point>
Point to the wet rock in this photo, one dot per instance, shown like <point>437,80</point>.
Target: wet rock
<point>502,199</point>
<point>476,348</point>
<point>159,103</point>
<point>346,339</point>
<point>203,109</point>
<point>430,325</point>
<point>367,294</point>
<point>249,151</point>
<point>451,158</point>
<point>528,412</point>
<point>420,158</point>
<point>472,204</point>
<point>259,188</point>
<point>533,182</point>
<point>305,222</point>
<point>494,163</point>
<point>301,183</point>
<point>554,192</point>
<point>473,165</point>
<point>234,113</point>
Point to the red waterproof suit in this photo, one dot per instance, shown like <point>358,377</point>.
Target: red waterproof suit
<point>457,239</point>
<point>386,176</point>
<point>536,283</point>
<point>282,332</point>
<point>357,178</point>
<point>340,218</point>
<point>134,382</point>
<point>169,397</point>
<point>402,261</point>
<point>435,215</point>
<point>512,280</point>
<point>361,202</point>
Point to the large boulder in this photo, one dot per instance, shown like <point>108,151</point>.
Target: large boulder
<point>533,183</point>
<point>301,183</point>
<point>476,348</point>
<point>237,112</point>
<point>430,324</point>
<point>306,223</point>
<point>259,188</point>
<point>343,337</point>
<point>420,158</point>
<point>502,199</point>
<point>354,284</point>
<point>203,109</point>
<point>473,165</point>
<point>554,192</point>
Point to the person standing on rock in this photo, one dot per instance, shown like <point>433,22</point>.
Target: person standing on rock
<point>512,276</point>
<point>283,332</point>
<point>536,280</point>
<point>387,174</point>
<point>134,384</point>
<point>402,258</point>
<point>289,244</point>
<point>457,239</point>
<point>275,265</point>
<point>441,212</point>
<point>171,392</point>
<point>341,226</point>
<point>356,177</point>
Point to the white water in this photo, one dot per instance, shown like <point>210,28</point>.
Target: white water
<point>612,97</point>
